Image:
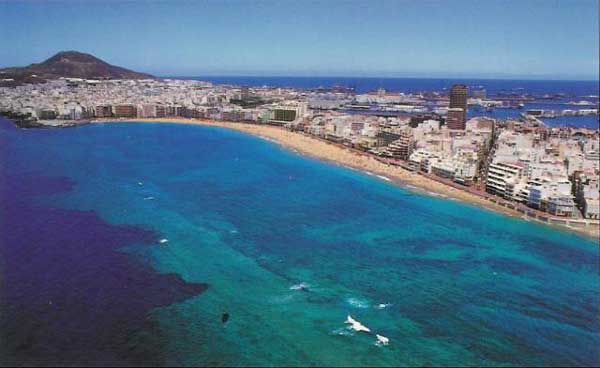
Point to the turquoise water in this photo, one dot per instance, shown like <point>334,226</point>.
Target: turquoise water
<point>447,283</point>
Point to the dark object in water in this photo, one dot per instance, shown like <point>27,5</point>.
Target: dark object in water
<point>225,317</point>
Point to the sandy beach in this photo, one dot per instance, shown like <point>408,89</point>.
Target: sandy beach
<point>346,157</point>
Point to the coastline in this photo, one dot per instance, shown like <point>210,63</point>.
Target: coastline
<point>346,157</point>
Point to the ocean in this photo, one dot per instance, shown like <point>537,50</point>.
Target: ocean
<point>574,91</point>
<point>124,244</point>
<point>412,85</point>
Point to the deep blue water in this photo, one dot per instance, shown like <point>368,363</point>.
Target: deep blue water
<point>413,85</point>
<point>84,278</point>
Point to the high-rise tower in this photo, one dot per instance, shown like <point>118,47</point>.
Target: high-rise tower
<point>458,100</point>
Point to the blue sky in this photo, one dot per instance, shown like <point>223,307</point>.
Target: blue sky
<point>554,39</point>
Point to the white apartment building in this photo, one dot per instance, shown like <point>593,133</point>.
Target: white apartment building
<point>444,168</point>
<point>502,176</point>
<point>422,159</point>
<point>465,171</point>
<point>551,195</point>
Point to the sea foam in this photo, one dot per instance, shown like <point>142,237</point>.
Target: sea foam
<point>358,303</point>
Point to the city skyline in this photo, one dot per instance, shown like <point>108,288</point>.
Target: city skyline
<point>498,40</point>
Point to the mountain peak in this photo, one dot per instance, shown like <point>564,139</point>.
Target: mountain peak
<point>67,56</point>
<point>72,64</point>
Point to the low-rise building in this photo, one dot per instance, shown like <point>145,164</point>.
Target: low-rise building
<point>125,111</point>
<point>103,111</point>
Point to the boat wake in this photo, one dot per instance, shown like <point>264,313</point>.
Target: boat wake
<point>358,303</point>
<point>343,331</point>
<point>381,340</point>
<point>301,286</point>
<point>355,325</point>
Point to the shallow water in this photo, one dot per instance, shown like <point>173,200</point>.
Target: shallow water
<point>246,221</point>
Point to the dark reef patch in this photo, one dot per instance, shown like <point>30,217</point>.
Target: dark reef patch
<point>67,295</point>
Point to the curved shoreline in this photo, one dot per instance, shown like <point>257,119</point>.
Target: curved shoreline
<point>366,163</point>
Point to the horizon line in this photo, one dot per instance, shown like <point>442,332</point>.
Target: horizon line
<point>510,78</point>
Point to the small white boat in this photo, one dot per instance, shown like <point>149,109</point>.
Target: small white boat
<point>382,340</point>
<point>163,241</point>
<point>356,326</point>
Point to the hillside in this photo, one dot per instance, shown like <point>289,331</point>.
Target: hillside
<point>67,64</point>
